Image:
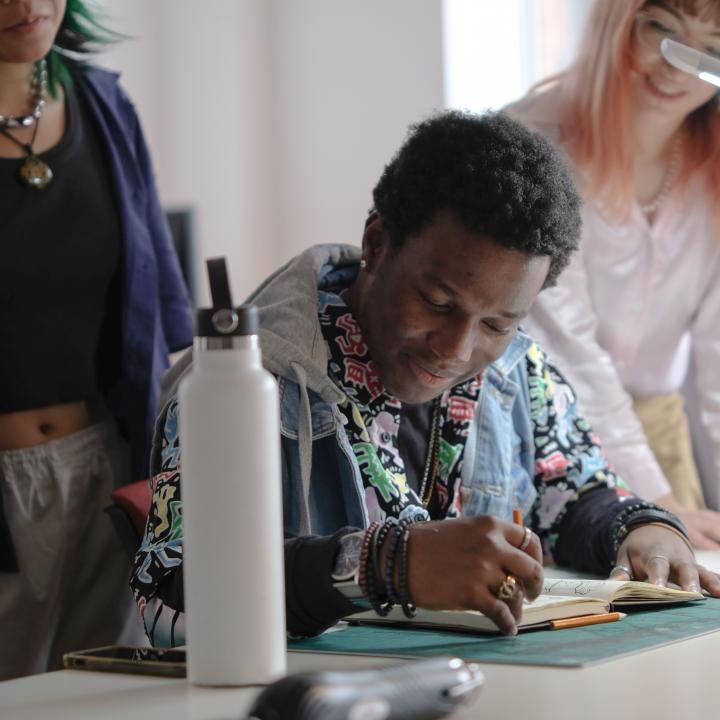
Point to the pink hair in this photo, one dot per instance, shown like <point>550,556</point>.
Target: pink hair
<point>597,106</point>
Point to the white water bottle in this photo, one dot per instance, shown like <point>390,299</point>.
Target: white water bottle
<point>232,506</point>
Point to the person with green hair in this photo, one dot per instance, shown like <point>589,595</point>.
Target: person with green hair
<point>92,302</point>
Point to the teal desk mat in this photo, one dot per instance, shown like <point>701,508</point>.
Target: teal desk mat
<point>574,647</point>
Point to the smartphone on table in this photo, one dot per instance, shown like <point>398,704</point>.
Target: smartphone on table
<point>168,662</point>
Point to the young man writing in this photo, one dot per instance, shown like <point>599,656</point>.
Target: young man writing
<point>415,414</point>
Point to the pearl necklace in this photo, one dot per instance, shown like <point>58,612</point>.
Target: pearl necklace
<point>39,90</point>
<point>667,183</point>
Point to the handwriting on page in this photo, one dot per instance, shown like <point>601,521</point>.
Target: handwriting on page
<point>603,589</point>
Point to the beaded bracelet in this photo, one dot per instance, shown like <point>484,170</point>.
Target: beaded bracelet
<point>390,561</point>
<point>409,610</point>
<point>364,555</point>
<point>379,603</point>
<point>369,587</point>
<point>385,528</point>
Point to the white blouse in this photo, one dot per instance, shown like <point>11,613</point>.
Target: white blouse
<point>636,302</point>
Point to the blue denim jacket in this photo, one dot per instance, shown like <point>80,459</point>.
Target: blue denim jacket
<point>497,470</point>
<point>156,317</point>
<point>529,448</point>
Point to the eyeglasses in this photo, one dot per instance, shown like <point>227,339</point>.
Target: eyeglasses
<point>651,29</point>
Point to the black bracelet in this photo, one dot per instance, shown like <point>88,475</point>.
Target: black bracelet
<point>365,560</point>
<point>390,561</point>
<point>409,610</point>
<point>639,513</point>
<point>385,528</point>
<point>379,603</point>
<point>371,566</point>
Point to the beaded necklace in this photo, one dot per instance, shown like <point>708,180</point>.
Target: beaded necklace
<point>668,181</point>
<point>38,87</point>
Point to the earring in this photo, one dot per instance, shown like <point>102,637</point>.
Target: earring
<point>363,263</point>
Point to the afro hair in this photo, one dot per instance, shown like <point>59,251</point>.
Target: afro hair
<point>499,179</point>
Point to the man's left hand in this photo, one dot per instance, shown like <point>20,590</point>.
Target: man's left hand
<point>657,555</point>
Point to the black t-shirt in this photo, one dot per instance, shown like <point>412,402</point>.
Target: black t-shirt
<point>60,261</point>
<point>413,440</point>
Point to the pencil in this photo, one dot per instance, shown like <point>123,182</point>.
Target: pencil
<point>584,620</point>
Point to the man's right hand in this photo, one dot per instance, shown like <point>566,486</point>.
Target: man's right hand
<point>460,564</point>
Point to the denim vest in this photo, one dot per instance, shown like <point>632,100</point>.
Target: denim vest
<point>497,472</point>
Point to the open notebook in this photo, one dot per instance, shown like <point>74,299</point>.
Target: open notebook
<point>619,593</point>
<point>566,598</point>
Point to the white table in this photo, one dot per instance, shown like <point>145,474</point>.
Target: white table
<point>672,682</point>
<point>677,681</point>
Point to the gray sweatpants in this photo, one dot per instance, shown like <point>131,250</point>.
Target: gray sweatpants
<point>72,589</point>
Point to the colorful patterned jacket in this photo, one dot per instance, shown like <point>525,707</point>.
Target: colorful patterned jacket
<point>528,447</point>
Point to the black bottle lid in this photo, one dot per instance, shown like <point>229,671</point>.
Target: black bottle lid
<point>222,319</point>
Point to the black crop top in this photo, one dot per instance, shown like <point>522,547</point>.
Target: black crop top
<point>60,258</point>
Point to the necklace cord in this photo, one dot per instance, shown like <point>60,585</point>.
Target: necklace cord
<point>27,147</point>
<point>433,457</point>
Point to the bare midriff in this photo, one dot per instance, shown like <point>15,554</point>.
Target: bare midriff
<point>28,428</point>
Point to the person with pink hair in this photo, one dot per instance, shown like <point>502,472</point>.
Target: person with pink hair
<point>636,313</point>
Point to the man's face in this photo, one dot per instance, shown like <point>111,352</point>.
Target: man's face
<point>443,306</point>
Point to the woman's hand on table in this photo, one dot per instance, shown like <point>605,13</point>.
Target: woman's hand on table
<point>703,526</point>
<point>659,555</point>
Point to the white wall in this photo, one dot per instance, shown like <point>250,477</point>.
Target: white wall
<point>493,52</point>
<point>273,118</point>
<point>350,77</point>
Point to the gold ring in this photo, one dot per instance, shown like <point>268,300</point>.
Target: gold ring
<point>526,539</point>
<point>507,588</point>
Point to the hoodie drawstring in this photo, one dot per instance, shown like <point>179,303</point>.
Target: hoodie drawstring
<point>305,446</point>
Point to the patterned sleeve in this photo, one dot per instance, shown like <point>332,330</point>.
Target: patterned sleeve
<point>312,602</point>
<point>159,559</point>
<point>569,462</point>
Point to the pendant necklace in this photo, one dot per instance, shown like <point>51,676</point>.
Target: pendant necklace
<point>33,172</point>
